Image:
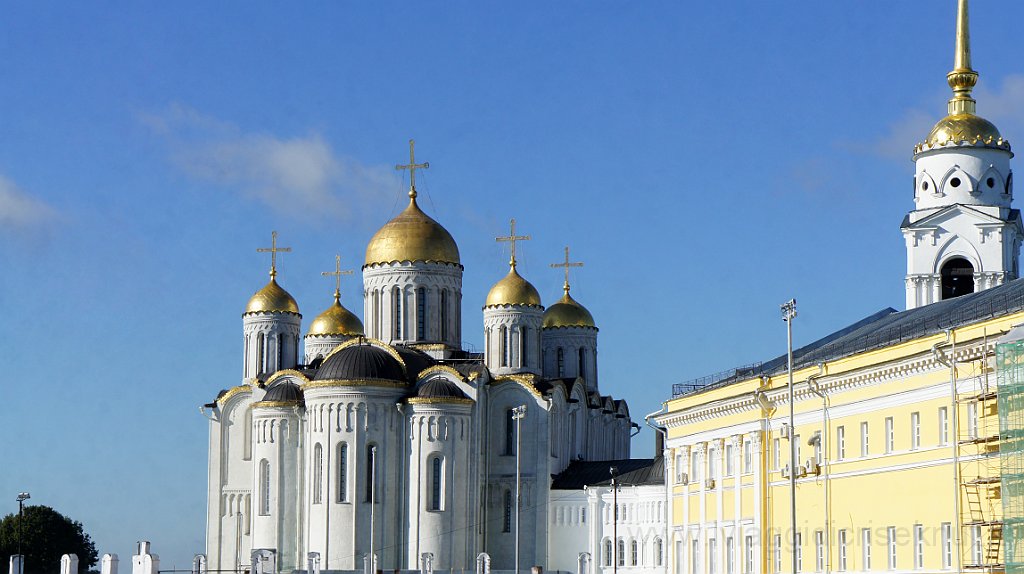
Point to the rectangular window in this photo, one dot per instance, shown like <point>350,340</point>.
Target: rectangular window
<point>976,557</point>
<point>778,552</point>
<point>890,436</point>
<point>890,542</point>
<point>748,456</point>
<point>947,545</point>
<point>371,473</point>
<point>797,439</point>
<point>748,554</point>
<point>864,439</point>
<point>799,554</point>
<point>918,546</point>
<point>421,314</point>
<point>840,443</point>
<point>730,556</point>
<point>819,551</point>
<point>679,468</point>
<point>730,460</point>
<point>972,420</point>
<point>713,463</point>
<point>943,425</point>
<point>680,558</point>
<point>777,454</point>
<point>842,550</point>
<point>712,556</point>
<point>510,433</point>
<point>915,431</point>
<point>865,544</point>
<point>694,465</point>
<point>695,557</point>
<point>342,472</point>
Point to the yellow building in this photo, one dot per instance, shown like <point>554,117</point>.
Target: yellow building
<point>895,418</point>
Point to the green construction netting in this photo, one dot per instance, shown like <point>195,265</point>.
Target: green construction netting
<point>1010,390</point>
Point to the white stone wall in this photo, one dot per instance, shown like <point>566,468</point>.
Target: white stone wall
<point>271,342</point>
<point>277,456</point>
<point>571,340</point>
<point>504,338</point>
<point>321,345</point>
<point>386,285</point>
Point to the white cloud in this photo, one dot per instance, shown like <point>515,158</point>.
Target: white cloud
<point>1001,103</point>
<point>18,210</point>
<point>299,175</point>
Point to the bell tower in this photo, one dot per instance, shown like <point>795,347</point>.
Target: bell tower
<point>962,236</point>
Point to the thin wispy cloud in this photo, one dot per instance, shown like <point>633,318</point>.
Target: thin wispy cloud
<point>19,210</point>
<point>1000,103</point>
<point>296,175</point>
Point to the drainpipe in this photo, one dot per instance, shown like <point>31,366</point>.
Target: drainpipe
<point>812,384</point>
<point>954,415</point>
<point>664,464</point>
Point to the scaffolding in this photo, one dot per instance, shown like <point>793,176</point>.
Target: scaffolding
<point>1010,391</point>
<point>979,465</point>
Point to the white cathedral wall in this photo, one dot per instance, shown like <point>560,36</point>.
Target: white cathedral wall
<point>271,342</point>
<point>441,431</point>
<point>230,483</point>
<point>321,345</point>
<point>514,319</point>
<point>570,340</point>
<point>386,284</point>
<point>973,166</point>
<point>277,458</point>
<point>339,528</point>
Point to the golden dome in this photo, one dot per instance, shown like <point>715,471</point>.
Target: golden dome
<point>412,236</point>
<point>567,313</point>
<point>272,299</point>
<point>958,128</point>
<point>336,320</point>
<point>513,290</point>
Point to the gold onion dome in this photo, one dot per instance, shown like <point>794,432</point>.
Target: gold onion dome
<point>412,236</point>
<point>567,312</point>
<point>513,290</point>
<point>336,320</point>
<point>272,298</point>
<point>962,125</point>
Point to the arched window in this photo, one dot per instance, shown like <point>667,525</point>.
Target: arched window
<point>503,345</point>
<point>582,371</point>
<point>658,549</point>
<point>608,552</point>
<point>247,434</point>
<point>245,368</point>
<point>264,487</point>
<point>436,483</point>
<point>634,553</point>
<point>376,313</point>
<point>342,472</point>
<point>444,315</point>
<point>957,278</point>
<point>506,525</point>
<point>371,463</point>
<point>260,344</point>
<point>318,473</point>
<point>561,362</point>
<point>396,330</point>
<point>510,433</point>
<point>524,337</point>
<point>622,552</point>
<point>421,314</point>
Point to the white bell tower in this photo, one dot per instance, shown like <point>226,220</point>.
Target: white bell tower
<point>962,235</point>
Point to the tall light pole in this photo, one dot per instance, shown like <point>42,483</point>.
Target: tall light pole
<point>518,414</point>
<point>22,497</point>
<point>615,519</point>
<point>788,314</point>
<point>373,496</point>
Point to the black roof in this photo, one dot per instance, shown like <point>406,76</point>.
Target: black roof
<point>440,389</point>
<point>882,329</point>
<point>284,391</point>
<point>359,362</point>
<point>631,471</point>
<point>415,360</point>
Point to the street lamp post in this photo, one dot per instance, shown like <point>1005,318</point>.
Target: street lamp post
<point>518,414</point>
<point>615,519</point>
<point>373,497</point>
<point>788,314</point>
<point>22,497</point>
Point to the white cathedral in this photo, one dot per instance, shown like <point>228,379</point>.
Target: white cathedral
<point>390,439</point>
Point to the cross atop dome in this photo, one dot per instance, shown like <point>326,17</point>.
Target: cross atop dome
<point>337,273</point>
<point>412,166</point>
<point>273,250</point>
<point>566,265</point>
<point>512,238</point>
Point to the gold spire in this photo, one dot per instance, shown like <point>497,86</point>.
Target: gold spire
<point>566,264</point>
<point>337,273</point>
<point>273,250</point>
<point>512,238</point>
<point>963,78</point>
<point>412,166</point>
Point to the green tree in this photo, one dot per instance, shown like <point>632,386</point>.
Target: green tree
<point>46,535</point>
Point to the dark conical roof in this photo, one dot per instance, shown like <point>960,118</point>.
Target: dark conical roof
<point>285,391</point>
<point>360,362</point>
<point>440,389</point>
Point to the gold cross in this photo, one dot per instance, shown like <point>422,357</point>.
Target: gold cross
<point>273,250</point>
<point>337,273</point>
<point>412,167</point>
<point>512,238</point>
<point>566,264</point>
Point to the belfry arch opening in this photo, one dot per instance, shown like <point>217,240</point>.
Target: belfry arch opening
<point>957,278</point>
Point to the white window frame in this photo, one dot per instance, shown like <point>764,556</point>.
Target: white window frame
<point>865,544</point>
<point>943,426</point>
<point>890,541</point>
<point>865,445</point>
<point>947,545</point>
<point>972,420</point>
<point>799,554</point>
<point>918,546</point>
<point>976,545</point>
<point>778,553</point>
<point>819,550</point>
<point>777,453</point>
<point>730,460</point>
<point>890,435</point>
<point>748,554</point>
<point>730,555</point>
<point>712,555</point>
<point>695,556</point>
<point>915,431</point>
<point>748,456</point>
<point>840,442</point>
<point>842,550</point>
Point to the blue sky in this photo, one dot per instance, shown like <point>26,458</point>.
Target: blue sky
<point>707,161</point>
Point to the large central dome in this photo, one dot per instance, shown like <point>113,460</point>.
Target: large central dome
<point>412,236</point>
